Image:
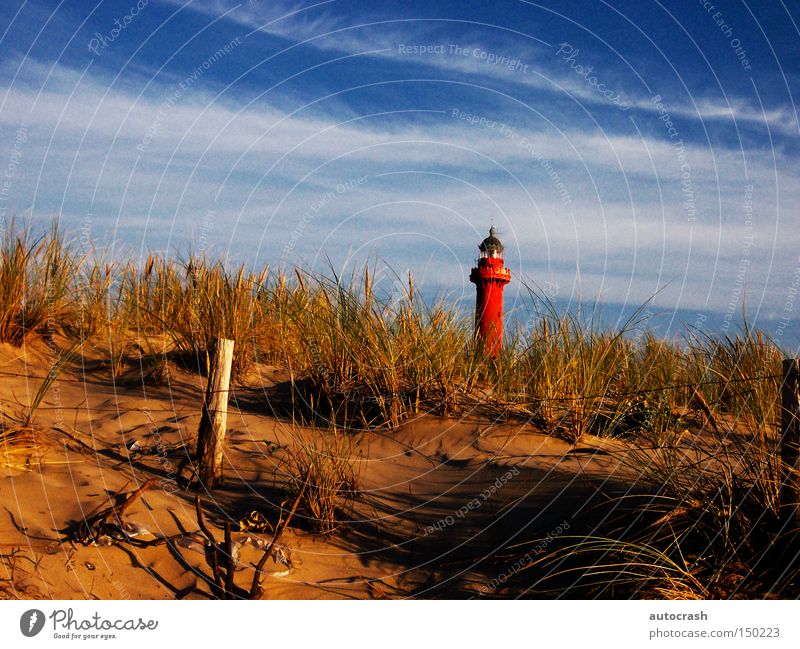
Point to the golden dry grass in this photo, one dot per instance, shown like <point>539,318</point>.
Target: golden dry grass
<point>376,361</point>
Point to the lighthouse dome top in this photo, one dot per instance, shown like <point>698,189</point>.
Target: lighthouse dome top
<point>491,245</point>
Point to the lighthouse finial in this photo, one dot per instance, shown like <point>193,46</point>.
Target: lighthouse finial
<point>491,244</point>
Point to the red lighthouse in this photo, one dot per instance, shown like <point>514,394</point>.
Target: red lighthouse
<point>490,277</point>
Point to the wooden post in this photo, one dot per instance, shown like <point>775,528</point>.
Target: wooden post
<point>790,444</point>
<point>211,434</point>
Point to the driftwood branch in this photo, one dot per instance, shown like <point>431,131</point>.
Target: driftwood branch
<point>703,404</point>
<point>222,571</point>
<point>231,563</point>
<point>108,522</point>
<point>218,587</point>
<point>255,589</point>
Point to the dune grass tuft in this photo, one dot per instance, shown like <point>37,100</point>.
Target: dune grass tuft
<point>320,470</point>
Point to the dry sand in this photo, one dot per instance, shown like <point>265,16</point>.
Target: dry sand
<point>438,495</point>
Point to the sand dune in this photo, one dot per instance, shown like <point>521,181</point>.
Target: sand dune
<point>436,496</point>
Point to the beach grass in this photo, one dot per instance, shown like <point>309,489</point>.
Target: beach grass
<point>378,361</point>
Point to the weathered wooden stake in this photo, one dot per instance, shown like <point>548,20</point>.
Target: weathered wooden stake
<point>211,434</point>
<point>790,443</point>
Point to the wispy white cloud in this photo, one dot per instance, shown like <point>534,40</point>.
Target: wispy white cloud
<point>197,126</point>
<point>317,25</point>
<point>261,171</point>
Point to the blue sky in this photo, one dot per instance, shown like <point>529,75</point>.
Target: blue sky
<point>622,149</point>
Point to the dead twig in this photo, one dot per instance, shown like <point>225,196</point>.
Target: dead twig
<point>218,587</point>
<point>223,586</point>
<point>703,404</point>
<point>108,522</point>
<point>255,589</point>
<point>231,563</point>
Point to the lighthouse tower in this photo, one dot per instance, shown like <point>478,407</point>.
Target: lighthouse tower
<point>490,277</point>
